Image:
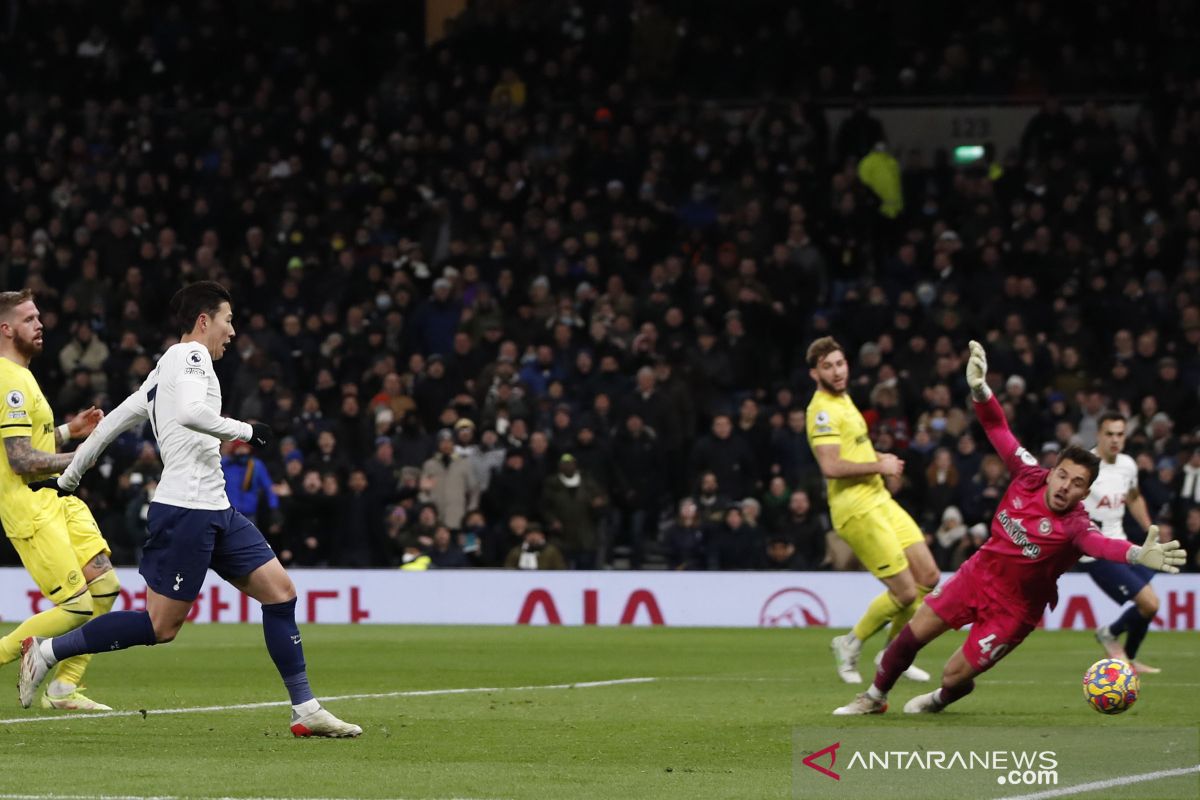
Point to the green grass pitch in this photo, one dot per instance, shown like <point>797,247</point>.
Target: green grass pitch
<point>717,722</point>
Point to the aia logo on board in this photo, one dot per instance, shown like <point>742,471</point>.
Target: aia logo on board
<point>794,608</point>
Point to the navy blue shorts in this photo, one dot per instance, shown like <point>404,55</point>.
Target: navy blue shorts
<point>1119,581</point>
<point>183,543</point>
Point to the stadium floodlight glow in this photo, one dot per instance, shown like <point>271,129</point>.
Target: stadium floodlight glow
<point>968,153</point>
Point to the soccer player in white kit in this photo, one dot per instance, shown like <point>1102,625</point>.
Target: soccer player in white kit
<point>191,525</point>
<point>1114,490</point>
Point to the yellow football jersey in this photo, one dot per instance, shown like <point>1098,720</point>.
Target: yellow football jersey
<point>25,412</point>
<point>835,420</point>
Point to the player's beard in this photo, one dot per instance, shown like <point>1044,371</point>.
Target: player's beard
<point>828,387</point>
<point>28,348</point>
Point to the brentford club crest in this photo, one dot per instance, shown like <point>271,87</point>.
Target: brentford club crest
<point>1044,527</point>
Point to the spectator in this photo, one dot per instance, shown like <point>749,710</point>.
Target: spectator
<point>728,457</point>
<point>806,529</point>
<point>449,482</point>
<point>445,553</point>
<point>685,539</point>
<point>639,462</point>
<point>535,552</point>
<point>571,503</point>
<point>781,555</point>
<point>250,488</point>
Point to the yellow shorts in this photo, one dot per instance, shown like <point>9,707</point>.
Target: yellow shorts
<point>65,537</point>
<point>879,537</point>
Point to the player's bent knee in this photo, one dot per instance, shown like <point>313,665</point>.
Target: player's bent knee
<point>81,607</point>
<point>904,595</point>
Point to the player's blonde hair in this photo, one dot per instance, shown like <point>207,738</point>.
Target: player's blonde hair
<point>821,348</point>
<point>10,300</point>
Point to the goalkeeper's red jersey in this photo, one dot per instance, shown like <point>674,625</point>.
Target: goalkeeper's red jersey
<point>1030,545</point>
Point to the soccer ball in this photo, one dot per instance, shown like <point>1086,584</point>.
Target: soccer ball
<point>1111,686</point>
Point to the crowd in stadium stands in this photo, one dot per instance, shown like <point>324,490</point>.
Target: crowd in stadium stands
<point>519,299</point>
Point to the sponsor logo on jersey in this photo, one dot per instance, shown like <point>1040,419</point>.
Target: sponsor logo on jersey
<point>15,399</point>
<point>17,415</point>
<point>1020,537</point>
<point>193,371</point>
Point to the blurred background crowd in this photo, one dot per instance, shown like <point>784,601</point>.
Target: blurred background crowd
<point>537,294</point>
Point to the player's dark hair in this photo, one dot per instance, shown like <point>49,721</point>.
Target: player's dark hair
<point>821,348</point>
<point>201,297</point>
<point>1110,416</point>
<point>1083,457</point>
<point>10,300</point>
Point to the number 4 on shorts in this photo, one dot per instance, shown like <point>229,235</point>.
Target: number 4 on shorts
<point>991,652</point>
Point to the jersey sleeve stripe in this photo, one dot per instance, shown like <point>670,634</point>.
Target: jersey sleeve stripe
<point>16,425</point>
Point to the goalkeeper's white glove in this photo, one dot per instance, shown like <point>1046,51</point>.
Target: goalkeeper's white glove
<point>977,373</point>
<point>1162,556</point>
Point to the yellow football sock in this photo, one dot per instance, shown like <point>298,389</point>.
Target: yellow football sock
<point>880,610</point>
<point>54,621</point>
<point>104,591</point>
<point>906,613</point>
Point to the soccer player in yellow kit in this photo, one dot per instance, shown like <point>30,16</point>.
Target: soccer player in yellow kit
<point>882,535</point>
<point>56,537</point>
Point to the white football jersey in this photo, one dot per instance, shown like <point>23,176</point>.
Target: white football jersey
<point>181,398</point>
<point>1105,504</point>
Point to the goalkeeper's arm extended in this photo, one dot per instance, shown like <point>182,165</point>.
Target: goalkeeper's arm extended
<point>977,373</point>
<point>1162,556</point>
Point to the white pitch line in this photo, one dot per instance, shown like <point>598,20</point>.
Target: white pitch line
<point>277,703</point>
<point>1080,788</point>
<point>175,797</point>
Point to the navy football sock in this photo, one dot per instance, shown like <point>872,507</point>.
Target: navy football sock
<point>115,630</point>
<point>283,643</point>
<point>1128,618</point>
<point>1137,630</point>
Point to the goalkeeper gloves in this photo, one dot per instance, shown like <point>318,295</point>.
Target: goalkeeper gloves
<point>51,483</point>
<point>1164,556</point>
<point>977,373</point>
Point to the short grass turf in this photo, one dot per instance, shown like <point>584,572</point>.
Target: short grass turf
<point>718,721</point>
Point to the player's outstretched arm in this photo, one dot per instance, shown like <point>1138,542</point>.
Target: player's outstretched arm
<point>134,411</point>
<point>991,415</point>
<point>1162,556</point>
<point>977,373</point>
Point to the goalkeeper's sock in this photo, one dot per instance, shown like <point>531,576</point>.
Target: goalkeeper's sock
<point>906,613</point>
<point>898,657</point>
<point>878,612</point>
<point>948,694</point>
<point>283,643</point>
<point>1136,632</point>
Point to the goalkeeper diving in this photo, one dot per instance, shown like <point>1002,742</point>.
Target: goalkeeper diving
<point>1039,531</point>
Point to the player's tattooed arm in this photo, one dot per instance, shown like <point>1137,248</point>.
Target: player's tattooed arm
<point>25,460</point>
<point>100,563</point>
<point>58,438</point>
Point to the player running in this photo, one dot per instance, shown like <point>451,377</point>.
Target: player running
<point>1038,532</point>
<point>1115,490</point>
<point>882,535</point>
<point>191,524</point>
<point>57,538</point>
